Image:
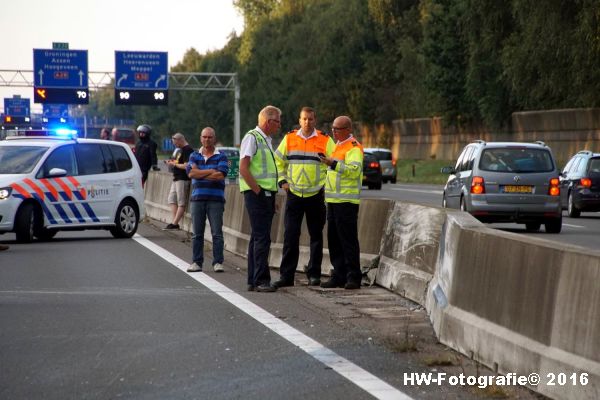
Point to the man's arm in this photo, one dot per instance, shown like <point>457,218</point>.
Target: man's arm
<point>245,173</point>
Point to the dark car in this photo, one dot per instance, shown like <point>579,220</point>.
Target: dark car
<point>372,176</point>
<point>580,183</point>
<point>387,161</point>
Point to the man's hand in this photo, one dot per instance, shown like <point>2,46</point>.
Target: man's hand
<point>286,187</point>
<point>326,160</point>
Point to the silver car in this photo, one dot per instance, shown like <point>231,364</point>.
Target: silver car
<point>506,182</point>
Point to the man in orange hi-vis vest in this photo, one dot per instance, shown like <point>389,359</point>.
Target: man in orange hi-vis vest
<point>302,176</point>
<point>342,194</point>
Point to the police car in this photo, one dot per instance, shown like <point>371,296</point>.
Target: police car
<point>52,180</point>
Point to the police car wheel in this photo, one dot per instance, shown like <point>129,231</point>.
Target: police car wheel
<point>126,220</point>
<point>25,223</point>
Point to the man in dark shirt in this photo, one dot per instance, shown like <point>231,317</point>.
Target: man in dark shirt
<point>208,169</point>
<point>145,151</point>
<point>180,187</point>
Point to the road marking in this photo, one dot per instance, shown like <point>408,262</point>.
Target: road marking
<point>355,374</point>
<point>419,190</point>
<point>573,226</point>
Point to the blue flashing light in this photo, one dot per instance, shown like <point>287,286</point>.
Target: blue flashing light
<point>65,132</point>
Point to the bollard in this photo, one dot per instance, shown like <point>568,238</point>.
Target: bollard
<point>413,170</point>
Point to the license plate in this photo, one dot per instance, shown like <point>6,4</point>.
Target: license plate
<point>518,189</point>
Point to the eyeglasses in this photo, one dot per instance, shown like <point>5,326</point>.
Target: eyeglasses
<point>275,120</point>
<point>335,128</point>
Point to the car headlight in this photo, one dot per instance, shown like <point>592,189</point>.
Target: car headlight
<point>5,193</point>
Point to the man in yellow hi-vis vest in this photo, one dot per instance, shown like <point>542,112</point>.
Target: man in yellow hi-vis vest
<point>342,194</point>
<point>302,176</point>
<point>258,183</point>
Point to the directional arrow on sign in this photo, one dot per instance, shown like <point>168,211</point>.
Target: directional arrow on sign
<point>124,76</point>
<point>81,77</point>
<point>161,78</point>
<point>41,74</point>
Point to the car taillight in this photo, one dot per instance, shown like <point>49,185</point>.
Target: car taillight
<point>374,165</point>
<point>554,189</point>
<point>394,162</point>
<point>477,185</point>
<point>586,182</point>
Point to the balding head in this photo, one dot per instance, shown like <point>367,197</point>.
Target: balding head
<point>342,127</point>
<point>269,119</point>
<point>208,138</point>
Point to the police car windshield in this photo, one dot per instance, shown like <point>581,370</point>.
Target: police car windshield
<point>20,159</point>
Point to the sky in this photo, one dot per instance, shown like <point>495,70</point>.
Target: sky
<point>103,26</point>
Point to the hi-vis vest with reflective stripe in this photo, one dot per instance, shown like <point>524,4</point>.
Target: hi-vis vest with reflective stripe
<point>344,183</point>
<point>262,165</point>
<point>299,164</point>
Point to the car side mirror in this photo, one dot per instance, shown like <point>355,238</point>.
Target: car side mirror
<point>57,172</point>
<point>448,170</point>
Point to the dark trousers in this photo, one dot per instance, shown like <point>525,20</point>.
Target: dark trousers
<point>342,238</point>
<point>261,209</point>
<point>295,209</point>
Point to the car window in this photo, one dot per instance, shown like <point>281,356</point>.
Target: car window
<point>109,162</point>
<point>230,153</point>
<point>20,159</point>
<point>121,158</point>
<point>464,166</point>
<point>460,159</point>
<point>516,159</point>
<point>581,168</point>
<point>383,155</point>
<point>568,166</point>
<point>62,157</point>
<point>573,169</point>
<point>91,160</point>
<point>594,166</point>
<point>369,158</point>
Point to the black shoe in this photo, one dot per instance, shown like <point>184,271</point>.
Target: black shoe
<point>282,283</point>
<point>251,288</point>
<point>314,281</point>
<point>330,284</point>
<point>352,285</point>
<point>171,227</point>
<point>265,288</point>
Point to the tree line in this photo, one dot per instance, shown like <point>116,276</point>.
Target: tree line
<point>380,60</point>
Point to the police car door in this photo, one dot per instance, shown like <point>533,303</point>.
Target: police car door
<point>94,177</point>
<point>63,202</point>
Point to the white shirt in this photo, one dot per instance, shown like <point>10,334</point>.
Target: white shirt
<point>248,145</point>
<point>299,133</point>
<point>202,150</point>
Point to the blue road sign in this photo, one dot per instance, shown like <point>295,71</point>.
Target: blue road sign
<point>141,70</point>
<point>16,106</point>
<point>60,68</point>
<point>56,110</point>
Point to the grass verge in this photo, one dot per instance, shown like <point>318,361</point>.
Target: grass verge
<point>422,171</point>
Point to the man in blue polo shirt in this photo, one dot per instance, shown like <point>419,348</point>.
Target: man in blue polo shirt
<point>207,168</point>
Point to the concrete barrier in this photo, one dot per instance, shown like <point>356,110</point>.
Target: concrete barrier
<point>516,304</point>
<point>519,305</point>
<point>236,224</point>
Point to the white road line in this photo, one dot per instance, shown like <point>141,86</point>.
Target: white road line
<point>355,374</point>
<point>573,226</point>
<point>419,190</point>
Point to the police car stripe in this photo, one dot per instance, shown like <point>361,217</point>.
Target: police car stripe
<point>65,188</point>
<point>62,213</point>
<point>77,185</point>
<point>51,188</point>
<point>76,212</point>
<point>90,212</point>
<point>21,191</point>
<point>47,212</point>
<point>35,188</point>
